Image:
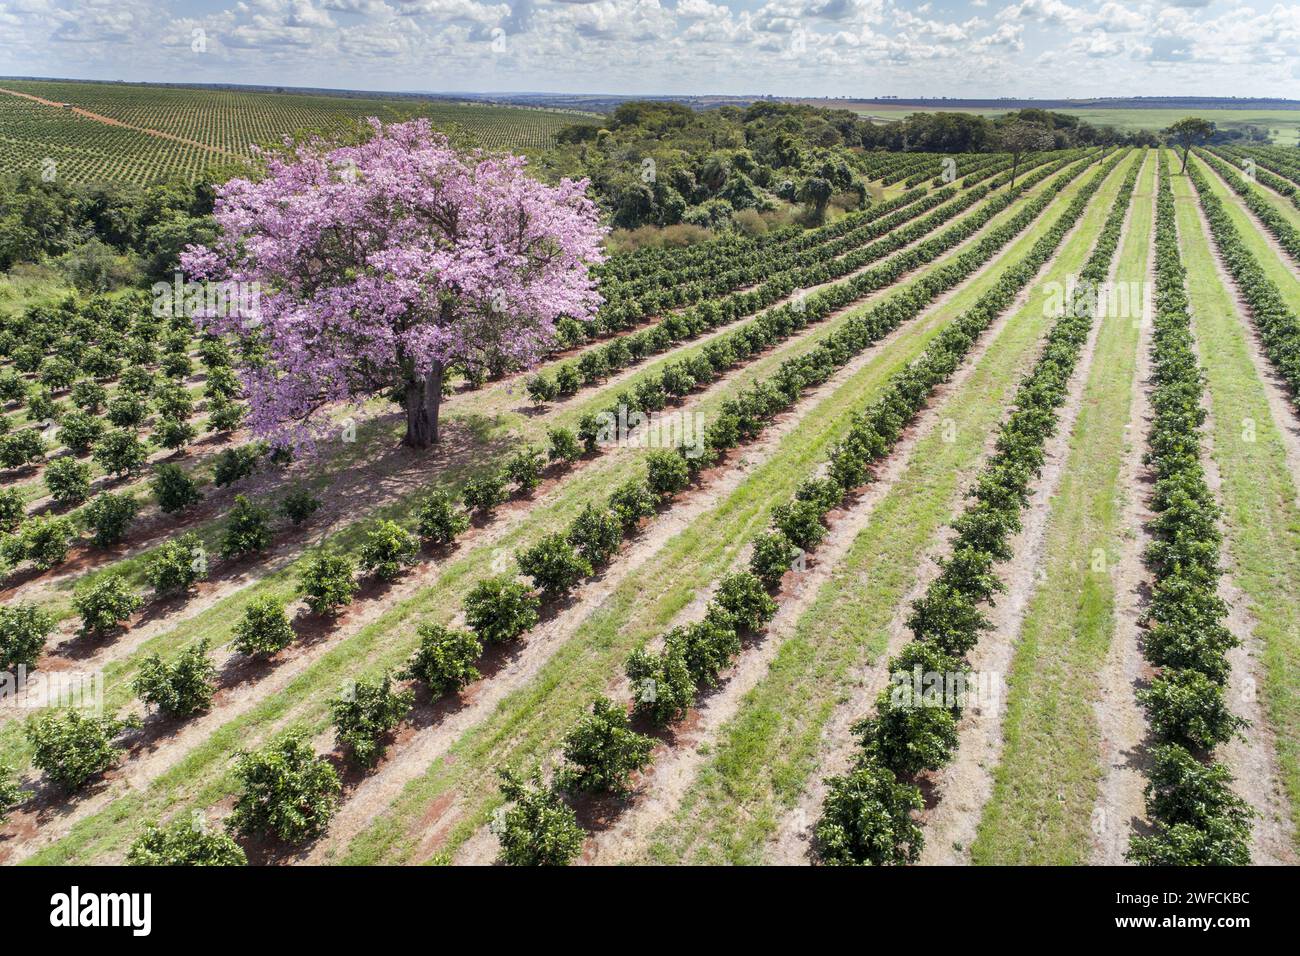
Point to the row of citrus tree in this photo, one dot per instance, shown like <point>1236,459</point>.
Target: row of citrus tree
<point>597,363</point>
<point>1287,236</point>
<point>1278,170</point>
<point>1197,818</point>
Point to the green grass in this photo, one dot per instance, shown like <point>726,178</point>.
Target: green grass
<point>767,752</point>
<point>1046,784</point>
<point>1258,493</point>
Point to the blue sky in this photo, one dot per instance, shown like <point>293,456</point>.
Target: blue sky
<point>1041,48</point>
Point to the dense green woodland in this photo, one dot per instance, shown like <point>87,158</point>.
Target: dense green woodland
<point>102,236</point>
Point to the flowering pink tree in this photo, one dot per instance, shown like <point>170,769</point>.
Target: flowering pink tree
<point>381,265</point>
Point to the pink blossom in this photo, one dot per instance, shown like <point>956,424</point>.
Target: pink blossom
<point>380,262</point>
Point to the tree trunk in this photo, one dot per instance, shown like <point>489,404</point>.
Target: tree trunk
<point>423,398</point>
<point>1186,150</point>
<point>1015,164</point>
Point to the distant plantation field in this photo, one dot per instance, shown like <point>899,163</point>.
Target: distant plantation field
<point>167,131</point>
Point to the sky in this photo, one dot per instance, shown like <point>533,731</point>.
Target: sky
<point>857,48</point>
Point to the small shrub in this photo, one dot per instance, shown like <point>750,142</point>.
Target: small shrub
<point>174,433</point>
<point>1187,708</point>
<point>500,609</point>
<point>13,508</point>
<point>183,843</point>
<point>236,463</point>
<point>596,534</point>
<point>11,794</point>
<point>46,539</point>
<point>127,411</point>
<point>367,711</point>
<point>24,628</point>
<point>174,488</point>
<point>524,468</point>
<point>439,519</point>
<point>563,446</point>
<point>328,582</point>
<point>177,565</point>
<point>298,505</point>
<point>286,791</point>
<point>68,480</point>
<point>21,448</point>
<point>541,389</point>
<point>632,501</point>
<point>666,473</point>
<point>105,604</point>
<point>484,493</point>
<point>603,751</point>
<point>801,522</point>
<point>179,689</point>
<point>444,659</point>
<point>264,629</point>
<point>247,531</point>
<point>867,819</point>
<point>108,516</point>
<point>79,432</point>
<point>387,550</point>
<point>72,747</point>
<point>120,452</point>
<point>742,597</point>
<point>662,686</point>
<point>554,565</point>
<point>774,554</point>
<point>535,828</point>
